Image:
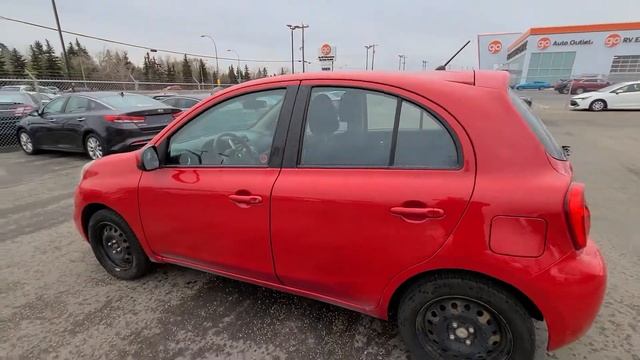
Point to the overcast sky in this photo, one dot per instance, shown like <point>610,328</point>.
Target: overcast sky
<point>420,29</point>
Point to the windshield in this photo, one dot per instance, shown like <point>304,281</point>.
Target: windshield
<point>131,100</point>
<point>536,125</point>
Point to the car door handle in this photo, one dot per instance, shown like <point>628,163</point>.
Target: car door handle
<point>246,199</point>
<point>51,120</point>
<point>417,213</point>
<point>82,118</point>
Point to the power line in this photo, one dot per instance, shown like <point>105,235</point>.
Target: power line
<point>138,46</point>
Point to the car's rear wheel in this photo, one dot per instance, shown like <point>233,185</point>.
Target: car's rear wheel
<point>579,91</point>
<point>116,246</point>
<point>597,105</point>
<point>458,317</point>
<point>26,142</point>
<point>94,147</point>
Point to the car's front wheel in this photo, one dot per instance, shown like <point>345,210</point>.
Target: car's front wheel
<point>597,105</point>
<point>94,147</point>
<point>116,246</point>
<point>26,142</point>
<point>459,317</point>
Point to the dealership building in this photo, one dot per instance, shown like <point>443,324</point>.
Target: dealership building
<point>608,51</point>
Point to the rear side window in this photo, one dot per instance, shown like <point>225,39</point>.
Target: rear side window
<point>348,127</point>
<point>536,125</point>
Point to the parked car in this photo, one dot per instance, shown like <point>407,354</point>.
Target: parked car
<point>97,123</point>
<point>13,106</point>
<point>562,86</point>
<point>618,96</point>
<point>579,86</point>
<point>161,96</point>
<point>185,101</point>
<point>533,85</point>
<point>416,211</point>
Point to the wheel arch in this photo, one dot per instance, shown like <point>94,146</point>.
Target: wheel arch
<point>524,300</point>
<point>87,213</point>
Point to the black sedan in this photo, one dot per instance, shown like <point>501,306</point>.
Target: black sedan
<point>13,106</point>
<point>97,123</point>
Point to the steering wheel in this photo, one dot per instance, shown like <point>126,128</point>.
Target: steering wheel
<point>235,148</point>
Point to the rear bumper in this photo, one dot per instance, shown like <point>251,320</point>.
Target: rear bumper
<point>128,137</point>
<point>569,294</point>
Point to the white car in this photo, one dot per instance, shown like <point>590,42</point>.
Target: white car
<point>618,96</point>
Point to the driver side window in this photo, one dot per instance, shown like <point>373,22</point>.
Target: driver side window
<point>54,107</point>
<point>236,132</point>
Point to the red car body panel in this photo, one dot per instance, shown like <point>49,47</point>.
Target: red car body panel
<point>329,234</point>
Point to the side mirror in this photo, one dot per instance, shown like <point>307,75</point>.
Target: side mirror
<point>150,160</point>
<point>618,91</point>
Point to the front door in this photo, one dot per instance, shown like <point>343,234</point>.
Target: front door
<point>628,97</point>
<point>208,205</point>
<point>45,129</point>
<point>377,186</point>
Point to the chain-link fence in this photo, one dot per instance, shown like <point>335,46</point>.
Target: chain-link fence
<point>40,91</point>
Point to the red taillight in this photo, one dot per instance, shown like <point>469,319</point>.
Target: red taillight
<point>22,110</point>
<point>578,215</point>
<point>124,118</point>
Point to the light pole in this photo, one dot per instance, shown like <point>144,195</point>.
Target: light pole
<point>303,27</point>
<point>373,54</point>
<point>64,50</point>
<point>215,49</point>
<point>292,28</point>
<point>366,62</point>
<point>238,56</point>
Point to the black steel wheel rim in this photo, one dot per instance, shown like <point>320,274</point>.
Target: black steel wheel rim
<point>115,245</point>
<point>455,327</point>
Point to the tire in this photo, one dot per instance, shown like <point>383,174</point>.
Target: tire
<point>466,316</point>
<point>26,143</point>
<point>564,91</point>
<point>94,146</point>
<point>518,88</point>
<point>598,105</point>
<point>116,246</point>
<point>579,91</point>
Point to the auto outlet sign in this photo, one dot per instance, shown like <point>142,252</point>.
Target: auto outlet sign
<point>495,46</point>
<point>612,40</point>
<point>326,56</point>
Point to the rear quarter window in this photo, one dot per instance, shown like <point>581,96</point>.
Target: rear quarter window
<point>536,125</point>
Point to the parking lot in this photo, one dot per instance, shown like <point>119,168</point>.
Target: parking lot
<point>56,300</point>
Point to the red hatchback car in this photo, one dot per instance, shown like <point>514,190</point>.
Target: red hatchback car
<point>437,200</point>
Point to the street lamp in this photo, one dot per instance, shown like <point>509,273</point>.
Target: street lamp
<point>292,28</point>
<point>366,61</point>
<point>215,49</point>
<point>238,56</point>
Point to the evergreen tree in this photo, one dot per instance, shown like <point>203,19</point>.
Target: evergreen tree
<point>246,75</point>
<point>203,74</point>
<point>17,63</point>
<point>171,73</point>
<point>36,59</point>
<point>283,71</point>
<point>187,74</point>
<point>52,65</point>
<point>4,72</point>
<point>265,73</point>
<point>231,75</point>
<point>146,71</point>
<point>238,75</point>
<point>71,50</point>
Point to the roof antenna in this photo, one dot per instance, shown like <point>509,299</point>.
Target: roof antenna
<point>444,67</point>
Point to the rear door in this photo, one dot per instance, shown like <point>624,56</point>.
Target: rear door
<point>374,181</point>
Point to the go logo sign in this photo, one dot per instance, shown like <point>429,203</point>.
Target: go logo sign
<point>612,40</point>
<point>544,43</point>
<point>495,46</point>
